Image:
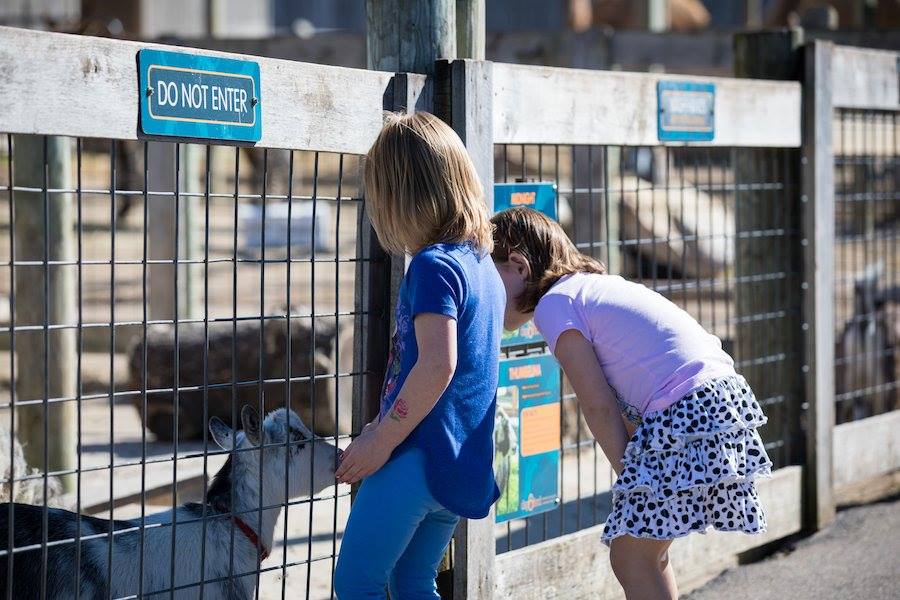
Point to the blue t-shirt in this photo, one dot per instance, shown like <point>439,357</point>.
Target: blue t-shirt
<point>456,437</point>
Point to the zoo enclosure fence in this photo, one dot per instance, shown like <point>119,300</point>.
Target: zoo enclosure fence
<point>739,232</point>
<point>151,285</point>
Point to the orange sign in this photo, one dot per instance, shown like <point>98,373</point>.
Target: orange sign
<point>522,198</point>
<point>539,429</point>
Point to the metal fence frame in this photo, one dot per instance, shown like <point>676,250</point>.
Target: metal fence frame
<point>307,107</point>
<point>618,109</point>
<point>843,79</point>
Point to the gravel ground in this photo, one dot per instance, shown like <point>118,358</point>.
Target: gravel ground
<point>857,557</point>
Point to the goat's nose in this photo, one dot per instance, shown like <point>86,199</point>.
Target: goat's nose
<point>338,457</point>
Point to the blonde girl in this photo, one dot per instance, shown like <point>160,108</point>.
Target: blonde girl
<point>426,460</point>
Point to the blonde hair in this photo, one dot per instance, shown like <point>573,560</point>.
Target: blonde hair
<point>549,251</point>
<point>421,187</point>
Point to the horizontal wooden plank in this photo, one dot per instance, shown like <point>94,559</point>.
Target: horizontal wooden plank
<point>865,78</point>
<point>866,448</point>
<point>59,84</point>
<point>547,105</point>
<point>547,571</point>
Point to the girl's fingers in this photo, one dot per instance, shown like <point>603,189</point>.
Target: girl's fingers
<point>347,462</point>
<point>353,474</point>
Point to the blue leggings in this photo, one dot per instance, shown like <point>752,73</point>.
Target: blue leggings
<point>395,537</point>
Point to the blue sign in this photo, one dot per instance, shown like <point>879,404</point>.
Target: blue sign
<point>527,436</point>
<point>187,95</point>
<point>541,197</point>
<point>686,111</point>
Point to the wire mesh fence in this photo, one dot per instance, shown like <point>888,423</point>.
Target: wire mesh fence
<point>867,257</point>
<point>150,287</point>
<point>716,231</point>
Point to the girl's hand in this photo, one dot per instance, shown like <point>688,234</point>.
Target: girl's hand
<point>365,455</point>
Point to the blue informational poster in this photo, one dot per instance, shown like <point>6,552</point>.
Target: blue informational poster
<point>686,111</point>
<point>527,436</point>
<point>540,196</point>
<point>187,95</point>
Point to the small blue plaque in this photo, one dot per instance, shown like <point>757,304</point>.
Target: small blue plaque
<point>686,111</point>
<point>540,196</point>
<point>187,95</point>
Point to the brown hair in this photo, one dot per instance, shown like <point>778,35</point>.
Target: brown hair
<point>549,251</point>
<point>421,187</point>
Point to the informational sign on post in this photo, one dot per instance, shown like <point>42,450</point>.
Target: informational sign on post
<point>540,196</point>
<point>686,111</point>
<point>188,95</point>
<point>527,436</point>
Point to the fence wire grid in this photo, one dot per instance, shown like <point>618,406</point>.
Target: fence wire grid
<point>111,323</point>
<point>867,258</point>
<point>691,223</point>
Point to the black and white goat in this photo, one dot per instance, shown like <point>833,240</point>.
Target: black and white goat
<point>307,468</point>
<point>865,351</point>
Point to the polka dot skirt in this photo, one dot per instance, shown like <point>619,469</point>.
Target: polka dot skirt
<point>691,466</point>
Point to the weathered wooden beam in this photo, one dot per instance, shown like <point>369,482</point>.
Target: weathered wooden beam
<point>87,87</point>
<point>464,99</point>
<point>162,235</point>
<point>868,78</point>
<point>854,459</point>
<point>548,105</point>
<point>818,262</point>
<point>45,296</point>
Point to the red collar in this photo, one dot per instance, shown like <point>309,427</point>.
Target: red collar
<point>247,531</point>
<point>251,535</point>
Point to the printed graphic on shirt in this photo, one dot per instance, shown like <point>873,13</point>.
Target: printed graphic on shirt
<point>395,360</point>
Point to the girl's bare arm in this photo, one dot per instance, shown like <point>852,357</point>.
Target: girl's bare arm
<point>597,399</point>
<point>426,382</point>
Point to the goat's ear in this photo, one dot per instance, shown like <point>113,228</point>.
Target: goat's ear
<point>250,421</point>
<point>222,434</point>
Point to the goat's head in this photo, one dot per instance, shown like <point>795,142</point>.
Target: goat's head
<point>291,453</point>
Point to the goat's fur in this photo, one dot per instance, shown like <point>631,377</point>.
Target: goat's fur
<point>231,560</point>
<point>13,467</point>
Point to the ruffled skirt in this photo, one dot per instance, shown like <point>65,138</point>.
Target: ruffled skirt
<point>691,467</point>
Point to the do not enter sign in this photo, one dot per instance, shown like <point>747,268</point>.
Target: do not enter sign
<point>187,95</point>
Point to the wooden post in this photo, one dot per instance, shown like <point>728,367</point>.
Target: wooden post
<point>654,14</point>
<point>409,35</point>
<point>161,231</point>
<point>818,264</point>
<point>464,98</point>
<point>377,283</point>
<point>45,163</point>
<point>808,348</point>
<point>470,37</point>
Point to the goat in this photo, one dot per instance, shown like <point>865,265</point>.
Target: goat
<point>865,372</point>
<point>236,525</point>
<point>505,447</point>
